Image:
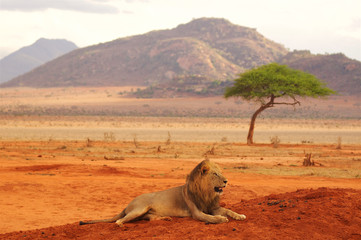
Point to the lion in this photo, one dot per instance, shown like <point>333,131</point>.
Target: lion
<point>198,198</point>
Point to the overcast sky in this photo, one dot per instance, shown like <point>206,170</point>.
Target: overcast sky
<point>322,26</point>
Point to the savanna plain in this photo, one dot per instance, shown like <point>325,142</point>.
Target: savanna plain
<point>74,154</point>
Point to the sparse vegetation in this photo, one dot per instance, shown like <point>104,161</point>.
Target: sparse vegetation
<point>88,143</point>
<point>93,103</point>
<point>184,86</point>
<point>47,170</point>
<point>339,143</point>
<point>224,139</point>
<point>109,136</point>
<point>267,83</point>
<point>275,141</point>
<point>209,152</point>
<point>307,160</point>
<point>135,141</point>
<point>168,139</point>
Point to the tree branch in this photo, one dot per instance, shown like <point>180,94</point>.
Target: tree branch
<point>285,103</point>
<point>295,101</point>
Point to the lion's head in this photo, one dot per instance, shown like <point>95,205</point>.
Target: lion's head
<point>205,184</point>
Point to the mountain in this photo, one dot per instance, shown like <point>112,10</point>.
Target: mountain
<point>197,58</point>
<point>339,72</point>
<point>209,48</point>
<point>27,58</point>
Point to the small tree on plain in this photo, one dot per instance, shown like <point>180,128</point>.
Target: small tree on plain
<point>270,83</point>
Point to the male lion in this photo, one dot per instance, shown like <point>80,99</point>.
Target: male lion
<point>198,198</point>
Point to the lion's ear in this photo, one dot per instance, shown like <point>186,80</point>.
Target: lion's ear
<point>205,169</point>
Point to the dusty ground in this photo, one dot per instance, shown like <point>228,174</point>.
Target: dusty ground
<point>46,187</point>
<point>71,154</point>
<point>110,101</point>
<point>179,129</point>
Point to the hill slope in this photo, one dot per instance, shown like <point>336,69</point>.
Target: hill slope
<point>340,73</point>
<point>27,58</point>
<point>196,58</point>
<point>213,48</point>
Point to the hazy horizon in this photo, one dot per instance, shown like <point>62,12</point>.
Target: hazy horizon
<point>320,26</point>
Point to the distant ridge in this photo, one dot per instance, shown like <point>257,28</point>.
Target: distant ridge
<point>338,71</point>
<point>209,47</point>
<point>196,57</point>
<point>27,58</point>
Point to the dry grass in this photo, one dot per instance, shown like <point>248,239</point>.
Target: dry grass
<point>178,129</point>
<point>301,171</point>
<point>260,159</point>
<point>99,122</point>
<point>106,101</point>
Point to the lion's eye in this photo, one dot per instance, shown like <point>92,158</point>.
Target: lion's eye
<point>215,174</point>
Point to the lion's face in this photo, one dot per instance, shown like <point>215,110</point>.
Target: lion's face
<point>212,177</point>
<point>207,180</point>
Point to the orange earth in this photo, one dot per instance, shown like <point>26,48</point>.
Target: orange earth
<point>47,187</point>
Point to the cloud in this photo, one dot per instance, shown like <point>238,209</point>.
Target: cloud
<point>355,25</point>
<point>132,1</point>
<point>89,6</point>
<point>127,12</point>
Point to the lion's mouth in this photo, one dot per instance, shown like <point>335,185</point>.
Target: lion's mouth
<point>218,189</point>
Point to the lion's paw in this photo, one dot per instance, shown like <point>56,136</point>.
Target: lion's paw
<point>166,218</point>
<point>240,217</point>
<point>120,223</point>
<point>221,219</point>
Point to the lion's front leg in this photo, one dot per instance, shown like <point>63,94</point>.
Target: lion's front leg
<point>209,218</point>
<point>226,212</point>
<point>199,215</point>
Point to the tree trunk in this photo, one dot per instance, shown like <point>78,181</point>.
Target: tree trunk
<point>253,119</point>
<point>251,125</point>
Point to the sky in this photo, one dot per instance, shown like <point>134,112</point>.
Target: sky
<point>321,26</point>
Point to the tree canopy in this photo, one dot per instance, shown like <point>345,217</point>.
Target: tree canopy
<point>268,82</point>
<point>278,81</point>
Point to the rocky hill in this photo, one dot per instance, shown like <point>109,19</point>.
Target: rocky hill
<point>209,48</point>
<point>340,73</point>
<point>197,58</point>
<point>30,57</point>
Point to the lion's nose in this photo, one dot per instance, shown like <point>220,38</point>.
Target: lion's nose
<point>225,181</point>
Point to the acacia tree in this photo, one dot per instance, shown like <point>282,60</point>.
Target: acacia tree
<point>275,84</point>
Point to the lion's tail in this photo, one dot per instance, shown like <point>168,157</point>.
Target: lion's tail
<point>113,219</point>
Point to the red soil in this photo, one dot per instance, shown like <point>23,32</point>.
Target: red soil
<point>305,214</point>
<point>46,189</point>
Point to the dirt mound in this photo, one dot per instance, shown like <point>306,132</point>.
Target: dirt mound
<point>305,214</point>
<point>38,168</point>
<point>106,170</point>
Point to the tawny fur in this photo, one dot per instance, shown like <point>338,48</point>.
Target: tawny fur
<point>198,198</point>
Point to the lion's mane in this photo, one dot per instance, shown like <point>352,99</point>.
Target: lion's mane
<point>200,189</point>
